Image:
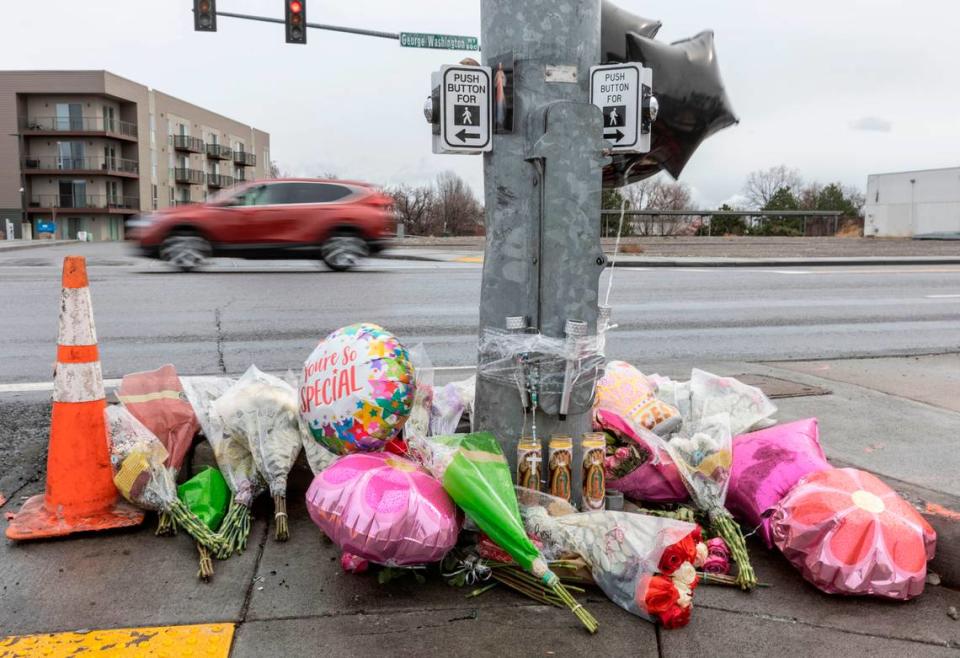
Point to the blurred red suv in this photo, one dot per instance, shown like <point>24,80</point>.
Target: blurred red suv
<point>337,221</point>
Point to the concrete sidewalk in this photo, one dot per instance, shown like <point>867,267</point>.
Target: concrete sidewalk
<point>288,599</point>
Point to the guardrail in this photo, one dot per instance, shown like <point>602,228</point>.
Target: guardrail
<point>187,143</point>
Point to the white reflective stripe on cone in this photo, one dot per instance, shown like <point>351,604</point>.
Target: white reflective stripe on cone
<point>76,317</point>
<point>78,382</point>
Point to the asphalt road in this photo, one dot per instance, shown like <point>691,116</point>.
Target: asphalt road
<point>271,314</point>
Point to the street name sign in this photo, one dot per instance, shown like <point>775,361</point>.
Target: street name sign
<point>466,108</point>
<point>440,41</point>
<point>619,90</point>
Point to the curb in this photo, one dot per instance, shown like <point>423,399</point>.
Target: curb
<point>790,262</point>
<point>32,244</point>
<point>739,262</point>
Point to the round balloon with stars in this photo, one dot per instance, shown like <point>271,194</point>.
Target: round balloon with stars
<point>357,389</point>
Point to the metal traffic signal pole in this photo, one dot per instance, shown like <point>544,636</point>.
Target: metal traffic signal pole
<point>542,189</point>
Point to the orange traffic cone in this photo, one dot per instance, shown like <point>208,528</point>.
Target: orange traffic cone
<point>80,494</point>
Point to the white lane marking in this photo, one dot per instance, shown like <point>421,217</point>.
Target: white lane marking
<point>34,387</point>
<point>942,296</point>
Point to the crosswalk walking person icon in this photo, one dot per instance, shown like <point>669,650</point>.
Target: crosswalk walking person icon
<point>614,117</point>
<point>467,118</point>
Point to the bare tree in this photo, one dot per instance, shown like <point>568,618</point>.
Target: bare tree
<point>413,206</point>
<point>659,194</point>
<point>762,184</point>
<point>276,171</point>
<point>455,211</point>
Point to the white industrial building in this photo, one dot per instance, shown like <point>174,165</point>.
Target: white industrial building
<point>910,203</point>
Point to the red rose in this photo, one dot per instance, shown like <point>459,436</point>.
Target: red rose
<point>675,617</point>
<point>661,595</point>
<point>674,555</point>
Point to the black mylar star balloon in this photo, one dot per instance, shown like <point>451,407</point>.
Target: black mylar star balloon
<point>615,25</point>
<point>693,104</point>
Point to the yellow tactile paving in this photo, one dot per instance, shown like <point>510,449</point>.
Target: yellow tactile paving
<point>469,259</point>
<point>196,641</point>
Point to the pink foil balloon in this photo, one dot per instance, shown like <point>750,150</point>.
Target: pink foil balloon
<point>766,466</point>
<point>849,533</point>
<point>385,509</point>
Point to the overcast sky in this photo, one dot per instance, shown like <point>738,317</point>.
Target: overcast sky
<point>837,89</point>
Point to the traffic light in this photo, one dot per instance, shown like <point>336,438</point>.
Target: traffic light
<point>205,15</point>
<point>296,20</point>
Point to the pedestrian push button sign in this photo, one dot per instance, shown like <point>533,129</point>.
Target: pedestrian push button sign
<point>465,109</point>
<point>617,89</point>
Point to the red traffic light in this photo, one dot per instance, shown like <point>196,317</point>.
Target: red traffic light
<point>296,6</point>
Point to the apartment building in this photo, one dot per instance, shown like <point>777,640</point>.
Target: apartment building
<point>82,151</point>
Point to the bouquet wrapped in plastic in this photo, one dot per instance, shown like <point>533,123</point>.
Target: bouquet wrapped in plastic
<point>156,398</point>
<point>240,471</point>
<point>641,467</point>
<point>206,495</point>
<point>261,411</point>
<point>137,458</point>
<point>704,454</point>
<point>644,564</point>
<point>475,474</point>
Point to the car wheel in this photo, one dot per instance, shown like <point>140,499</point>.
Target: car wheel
<point>343,252</point>
<point>185,251</point>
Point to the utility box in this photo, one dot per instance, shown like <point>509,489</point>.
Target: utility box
<point>913,203</point>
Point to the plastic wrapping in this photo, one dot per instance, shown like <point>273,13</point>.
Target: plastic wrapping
<point>137,458</point>
<point>156,398</point>
<point>385,509</point>
<point>261,410</point>
<point>200,393</point>
<point>766,465</point>
<point>474,472</point>
<point>849,533</point>
<point>358,389</point>
<point>418,425</point>
<point>233,454</point>
<point>747,406</point>
<point>450,402</point>
<point>625,552</point>
<point>625,391</point>
<point>206,495</point>
<point>544,367</point>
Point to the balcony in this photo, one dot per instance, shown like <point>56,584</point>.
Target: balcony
<point>219,152</point>
<point>244,158</point>
<point>54,164</point>
<point>87,203</point>
<point>187,143</point>
<point>219,180</point>
<point>184,202</point>
<point>189,176</point>
<point>80,127</point>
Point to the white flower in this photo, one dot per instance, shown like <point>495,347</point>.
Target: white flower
<point>685,574</point>
<point>702,555</point>
<point>685,600</point>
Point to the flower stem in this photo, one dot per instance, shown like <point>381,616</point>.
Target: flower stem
<point>280,517</point>
<point>727,528</point>
<point>206,564</point>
